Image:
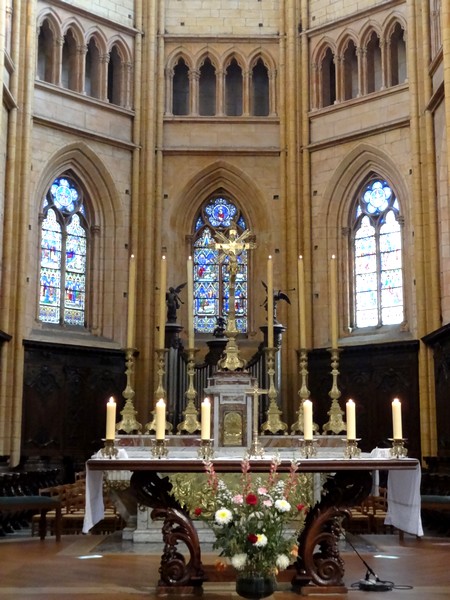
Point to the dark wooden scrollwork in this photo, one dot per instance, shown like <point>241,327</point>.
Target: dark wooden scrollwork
<point>319,561</point>
<point>154,491</point>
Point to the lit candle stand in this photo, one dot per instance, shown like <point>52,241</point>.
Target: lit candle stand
<point>109,450</point>
<point>398,449</point>
<point>351,449</point>
<point>159,444</point>
<point>307,444</point>
<point>206,451</point>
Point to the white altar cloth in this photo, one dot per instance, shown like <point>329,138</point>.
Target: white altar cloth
<point>403,491</point>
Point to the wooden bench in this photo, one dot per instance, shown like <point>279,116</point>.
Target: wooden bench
<point>9,505</point>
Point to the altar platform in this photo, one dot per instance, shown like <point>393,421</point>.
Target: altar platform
<point>349,480</point>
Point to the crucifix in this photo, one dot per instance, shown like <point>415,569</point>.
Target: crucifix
<point>256,449</point>
<point>232,247</point>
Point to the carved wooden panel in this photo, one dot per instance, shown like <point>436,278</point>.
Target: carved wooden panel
<point>65,392</point>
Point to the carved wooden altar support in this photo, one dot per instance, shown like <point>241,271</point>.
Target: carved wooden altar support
<point>319,567</point>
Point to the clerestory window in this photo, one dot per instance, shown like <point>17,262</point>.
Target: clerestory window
<point>377,257</point>
<point>64,245</point>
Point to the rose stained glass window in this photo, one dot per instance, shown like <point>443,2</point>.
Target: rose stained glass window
<point>62,297</point>
<point>377,258</point>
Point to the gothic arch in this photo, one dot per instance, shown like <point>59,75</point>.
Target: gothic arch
<point>76,28</point>
<point>220,175</point>
<point>366,33</point>
<point>349,176</point>
<point>390,23</point>
<point>122,47</point>
<point>205,53</point>
<point>320,50</point>
<point>342,43</point>
<point>175,56</point>
<point>265,57</point>
<point>99,38</point>
<point>53,18</point>
<point>86,164</point>
<point>229,56</point>
<point>106,220</point>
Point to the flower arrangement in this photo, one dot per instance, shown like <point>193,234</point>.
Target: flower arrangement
<point>258,523</point>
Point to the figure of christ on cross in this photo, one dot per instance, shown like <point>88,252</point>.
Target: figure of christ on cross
<point>232,247</point>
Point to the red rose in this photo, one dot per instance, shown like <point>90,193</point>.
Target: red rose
<point>251,499</point>
<point>252,538</point>
<point>198,511</point>
<point>300,507</point>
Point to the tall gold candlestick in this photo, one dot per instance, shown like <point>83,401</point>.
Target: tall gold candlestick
<point>333,302</point>
<point>270,303</point>
<point>162,302</point>
<point>190,301</point>
<point>131,302</point>
<point>301,303</point>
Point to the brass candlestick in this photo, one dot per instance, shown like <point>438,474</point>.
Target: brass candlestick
<point>205,449</point>
<point>160,391</point>
<point>191,424</point>
<point>273,423</point>
<point>159,448</point>
<point>351,449</point>
<point>336,423</point>
<point>308,448</point>
<point>398,449</point>
<point>303,392</point>
<point>129,424</point>
<point>109,450</point>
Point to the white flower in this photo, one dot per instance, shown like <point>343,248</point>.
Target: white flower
<point>223,516</point>
<point>261,541</point>
<point>238,561</point>
<point>282,505</point>
<point>282,561</point>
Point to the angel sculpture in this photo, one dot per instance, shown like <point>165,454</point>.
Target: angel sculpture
<point>277,296</point>
<point>173,302</point>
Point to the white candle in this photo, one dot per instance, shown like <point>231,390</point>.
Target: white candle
<point>131,302</point>
<point>206,419</point>
<point>111,419</point>
<point>160,417</point>
<point>301,303</point>
<point>162,302</point>
<point>397,419</point>
<point>270,303</point>
<point>307,420</point>
<point>190,302</point>
<point>351,420</point>
<point>333,302</point>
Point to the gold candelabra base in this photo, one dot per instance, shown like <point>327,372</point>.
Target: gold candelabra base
<point>159,448</point>
<point>109,450</point>
<point>398,449</point>
<point>351,449</point>
<point>205,449</point>
<point>308,448</point>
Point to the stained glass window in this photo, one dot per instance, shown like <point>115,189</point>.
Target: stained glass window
<point>211,276</point>
<point>378,273</point>
<point>62,298</point>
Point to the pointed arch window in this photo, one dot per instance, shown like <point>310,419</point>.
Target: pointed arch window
<point>233,89</point>
<point>211,277</point>
<point>377,256</point>
<point>64,241</point>
<point>180,98</point>
<point>46,53</point>
<point>260,89</point>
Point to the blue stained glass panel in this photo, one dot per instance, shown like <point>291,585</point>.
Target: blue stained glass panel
<point>211,267</point>
<point>63,256</point>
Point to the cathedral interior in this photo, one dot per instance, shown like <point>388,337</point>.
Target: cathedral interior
<point>136,135</point>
